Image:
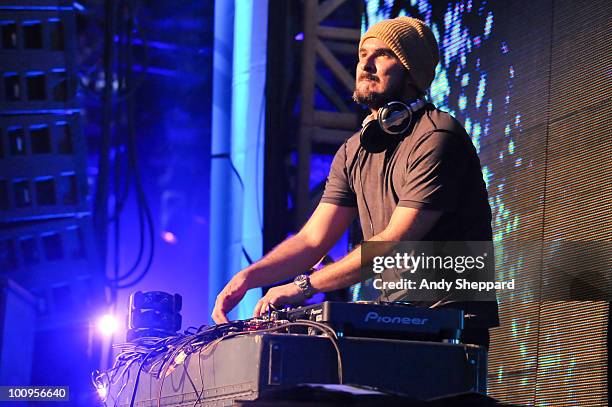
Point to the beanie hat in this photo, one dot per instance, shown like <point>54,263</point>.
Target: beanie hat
<point>413,43</point>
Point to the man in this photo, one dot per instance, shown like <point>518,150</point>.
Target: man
<point>425,185</point>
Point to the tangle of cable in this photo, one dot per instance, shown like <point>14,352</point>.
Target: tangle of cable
<point>159,357</point>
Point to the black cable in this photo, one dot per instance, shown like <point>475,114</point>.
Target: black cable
<point>144,214</point>
<point>121,198</point>
<point>201,378</point>
<point>149,222</point>
<point>229,158</point>
<point>127,379</point>
<point>322,327</point>
<point>235,171</point>
<point>101,200</point>
<point>138,378</point>
<point>134,267</point>
<point>257,141</point>
<point>168,349</point>
<point>177,351</point>
<point>143,207</point>
<point>135,26</point>
<point>195,389</point>
<point>116,219</point>
<point>334,340</point>
<point>246,255</point>
<point>90,70</point>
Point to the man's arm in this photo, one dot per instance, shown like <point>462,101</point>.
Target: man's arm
<point>405,224</point>
<point>290,258</point>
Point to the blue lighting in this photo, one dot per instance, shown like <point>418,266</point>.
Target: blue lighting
<point>237,167</point>
<point>41,8</point>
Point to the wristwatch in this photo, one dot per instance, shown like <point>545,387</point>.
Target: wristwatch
<point>303,283</point>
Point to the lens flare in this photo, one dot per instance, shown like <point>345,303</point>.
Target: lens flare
<point>108,325</point>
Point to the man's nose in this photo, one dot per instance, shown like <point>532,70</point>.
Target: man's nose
<point>366,64</point>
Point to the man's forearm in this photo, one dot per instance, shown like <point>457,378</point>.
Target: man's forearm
<point>343,273</point>
<point>406,224</point>
<point>290,258</point>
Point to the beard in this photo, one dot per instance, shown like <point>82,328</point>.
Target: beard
<point>372,99</point>
<point>394,90</point>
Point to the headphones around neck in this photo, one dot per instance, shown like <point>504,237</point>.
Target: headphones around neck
<point>393,118</point>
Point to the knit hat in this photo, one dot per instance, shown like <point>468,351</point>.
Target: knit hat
<point>413,43</point>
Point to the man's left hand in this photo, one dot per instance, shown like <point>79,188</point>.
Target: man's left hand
<point>278,296</point>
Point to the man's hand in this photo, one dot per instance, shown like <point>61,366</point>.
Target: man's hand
<point>278,296</point>
<point>229,297</point>
<point>294,255</point>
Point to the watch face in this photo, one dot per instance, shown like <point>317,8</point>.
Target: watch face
<point>301,281</point>
<point>303,284</point>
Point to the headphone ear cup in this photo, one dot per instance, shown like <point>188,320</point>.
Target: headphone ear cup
<point>395,117</point>
<point>373,138</point>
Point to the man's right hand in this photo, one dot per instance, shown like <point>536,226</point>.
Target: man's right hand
<point>229,297</point>
<point>297,253</point>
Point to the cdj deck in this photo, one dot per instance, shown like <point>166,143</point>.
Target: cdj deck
<point>382,320</point>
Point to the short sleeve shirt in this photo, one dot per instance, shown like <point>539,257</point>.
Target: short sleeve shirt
<point>434,167</point>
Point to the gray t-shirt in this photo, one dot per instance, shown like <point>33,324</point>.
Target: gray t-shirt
<point>434,167</point>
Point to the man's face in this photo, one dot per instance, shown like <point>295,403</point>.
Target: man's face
<point>380,76</point>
